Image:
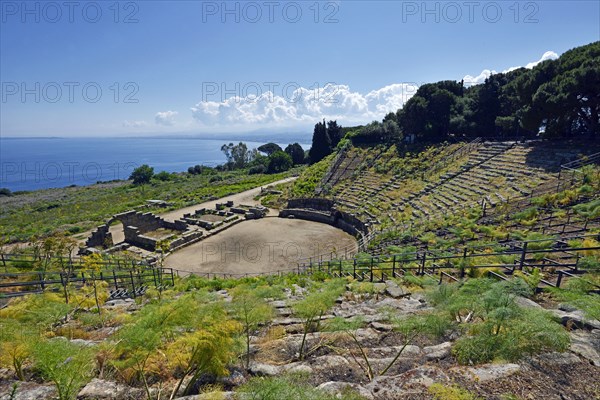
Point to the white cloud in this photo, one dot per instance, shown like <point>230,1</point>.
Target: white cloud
<point>549,55</point>
<point>475,80</point>
<point>305,106</point>
<point>135,124</point>
<point>165,118</point>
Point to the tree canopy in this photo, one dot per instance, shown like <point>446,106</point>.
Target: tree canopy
<point>326,137</point>
<point>142,174</point>
<point>556,98</point>
<point>279,162</point>
<point>269,148</point>
<point>296,152</point>
<point>238,156</point>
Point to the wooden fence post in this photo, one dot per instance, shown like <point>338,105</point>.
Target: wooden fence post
<point>64,285</point>
<point>523,255</point>
<point>132,283</point>
<point>115,279</point>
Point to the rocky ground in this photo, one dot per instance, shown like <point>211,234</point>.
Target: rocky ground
<point>334,362</point>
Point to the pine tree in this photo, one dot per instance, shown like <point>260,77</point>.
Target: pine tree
<point>321,143</point>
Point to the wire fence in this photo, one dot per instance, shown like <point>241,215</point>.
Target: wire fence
<point>124,278</point>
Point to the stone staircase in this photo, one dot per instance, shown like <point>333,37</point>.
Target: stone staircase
<point>497,172</point>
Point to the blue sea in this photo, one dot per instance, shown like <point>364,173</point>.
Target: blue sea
<point>41,163</point>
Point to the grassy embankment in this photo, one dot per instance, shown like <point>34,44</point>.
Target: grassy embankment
<point>77,209</point>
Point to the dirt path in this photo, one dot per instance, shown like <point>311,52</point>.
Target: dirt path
<point>239,198</point>
<point>246,197</point>
<point>258,246</point>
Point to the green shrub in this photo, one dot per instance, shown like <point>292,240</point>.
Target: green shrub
<point>16,341</point>
<point>251,311</point>
<point>307,182</point>
<point>575,293</point>
<point>67,365</point>
<point>441,392</point>
<point>314,305</point>
<point>510,333</point>
<point>589,210</point>
<point>589,263</point>
<point>165,176</point>
<point>43,310</point>
<point>257,169</point>
<point>527,214</point>
<point>290,387</point>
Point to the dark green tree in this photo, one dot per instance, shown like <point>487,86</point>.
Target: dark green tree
<point>321,143</point>
<point>279,161</point>
<point>269,148</point>
<point>334,131</point>
<point>142,174</point>
<point>296,152</point>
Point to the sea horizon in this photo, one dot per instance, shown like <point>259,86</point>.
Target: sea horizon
<point>36,163</point>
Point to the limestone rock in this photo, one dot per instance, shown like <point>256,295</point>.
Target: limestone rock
<point>279,304</point>
<point>27,391</point>
<point>437,352</point>
<point>83,342</point>
<point>381,327</point>
<point>488,372</point>
<point>298,367</point>
<point>98,389</point>
<point>209,396</point>
<point>587,345</point>
<point>404,305</point>
<point>366,335</point>
<point>284,312</point>
<point>6,374</point>
<point>558,358</point>
<point>576,318</point>
<point>526,303</point>
<point>286,321</point>
<point>262,369</point>
<point>294,328</point>
<point>119,303</point>
<point>391,351</point>
<point>352,309</point>
<point>414,381</point>
<point>393,290</point>
<point>379,287</point>
<point>566,307</point>
<point>339,388</point>
<point>329,362</point>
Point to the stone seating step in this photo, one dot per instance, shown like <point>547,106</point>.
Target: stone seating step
<point>460,198</point>
<point>469,188</point>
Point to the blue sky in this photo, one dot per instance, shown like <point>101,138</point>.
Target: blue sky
<point>195,67</point>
